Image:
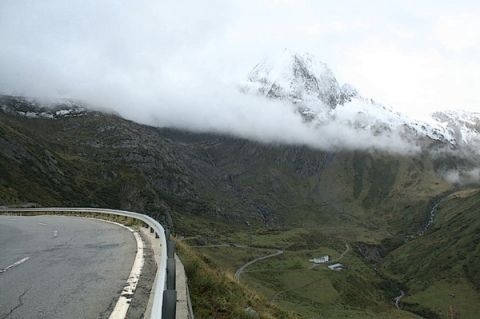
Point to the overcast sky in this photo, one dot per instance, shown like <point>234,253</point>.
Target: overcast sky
<point>416,56</point>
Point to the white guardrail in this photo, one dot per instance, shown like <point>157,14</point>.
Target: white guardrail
<point>160,284</point>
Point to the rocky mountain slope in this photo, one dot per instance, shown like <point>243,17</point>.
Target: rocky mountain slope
<point>101,159</point>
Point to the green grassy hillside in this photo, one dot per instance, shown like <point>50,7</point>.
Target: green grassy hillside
<point>216,294</point>
<point>442,268</point>
<point>290,282</point>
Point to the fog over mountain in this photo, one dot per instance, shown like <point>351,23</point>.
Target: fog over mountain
<point>180,64</point>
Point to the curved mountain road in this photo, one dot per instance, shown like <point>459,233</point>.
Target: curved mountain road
<point>398,298</point>
<point>62,267</point>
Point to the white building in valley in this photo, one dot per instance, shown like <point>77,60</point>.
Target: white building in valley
<point>320,260</point>
<point>336,267</point>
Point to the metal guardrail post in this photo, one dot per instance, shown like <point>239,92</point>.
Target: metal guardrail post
<point>170,248</point>
<point>170,301</point>
<point>171,274</point>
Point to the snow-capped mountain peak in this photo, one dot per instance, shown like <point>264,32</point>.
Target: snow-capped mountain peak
<point>300,79</point>
<point>311,87</point>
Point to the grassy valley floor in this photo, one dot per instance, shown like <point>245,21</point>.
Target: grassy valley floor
<point>437,271</point>
<point>292,283</point>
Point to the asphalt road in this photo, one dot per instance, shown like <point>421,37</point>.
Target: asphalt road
<point>62,267</point>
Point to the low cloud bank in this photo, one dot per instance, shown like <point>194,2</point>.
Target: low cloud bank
<point>462,176</point>
<point>230,112</point>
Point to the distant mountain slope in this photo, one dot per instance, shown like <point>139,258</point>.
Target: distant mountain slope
<point>102,159</point>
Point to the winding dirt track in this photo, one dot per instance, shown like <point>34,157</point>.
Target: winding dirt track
<point>397,299</point>
<point>347,249</point>
<point>241,269</point>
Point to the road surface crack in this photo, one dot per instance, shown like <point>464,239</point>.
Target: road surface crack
<point>20,303</point>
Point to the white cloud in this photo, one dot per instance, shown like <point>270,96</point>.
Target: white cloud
<point>458,32</point>
<point>463,177</point>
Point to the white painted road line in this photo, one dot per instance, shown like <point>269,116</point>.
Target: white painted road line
<point>55,233</point>
<point>121,308</point>
<point>21,261</point>
<point>42,224</point>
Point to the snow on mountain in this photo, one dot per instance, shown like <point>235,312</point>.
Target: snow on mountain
<point>32,109</point>
<point>319,99</point>
<point>301,79</point>
<point>464,126</point>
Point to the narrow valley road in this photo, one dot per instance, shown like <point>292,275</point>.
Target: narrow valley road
<point>62,267</point>
<point>347,249</point>
<point>241,269</point>
<point>398,298</point>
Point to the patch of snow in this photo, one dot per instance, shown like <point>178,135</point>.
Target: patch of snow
<point>63,112</point>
